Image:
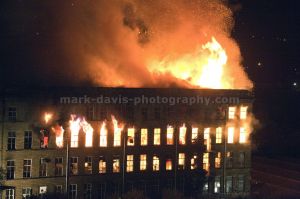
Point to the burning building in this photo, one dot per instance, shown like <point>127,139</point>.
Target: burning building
<point>98,142</point>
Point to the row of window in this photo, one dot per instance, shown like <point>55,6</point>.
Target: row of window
<point>232,184</point>
<point>115,164</point>
<point>232,112</point>
<point>131,137</point>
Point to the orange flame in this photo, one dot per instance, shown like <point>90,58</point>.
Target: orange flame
<point>59,135</point>
<point>103,134</point>
<point>117,131</point>
<point>88,130</point>
<point>48,117</point>
<point>74,128</point>
<point>182,134</point>
<point>204,68</point>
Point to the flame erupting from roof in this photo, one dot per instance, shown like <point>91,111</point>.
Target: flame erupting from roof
<point>198,70</point>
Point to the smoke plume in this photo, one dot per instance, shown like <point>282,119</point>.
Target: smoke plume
<point>111,43</point>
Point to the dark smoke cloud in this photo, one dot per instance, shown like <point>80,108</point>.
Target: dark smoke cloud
<point>107,43</point>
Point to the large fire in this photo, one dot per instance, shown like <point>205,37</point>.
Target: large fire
<point>204,67</point>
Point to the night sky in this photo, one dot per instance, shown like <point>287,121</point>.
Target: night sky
<point>267,32</point>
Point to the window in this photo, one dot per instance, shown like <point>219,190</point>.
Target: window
<point>103,135</point>
<point>217,185</point>
<point>44,138</point>
<point>58,166</point>
<point>194,135</point>
<point>74,127</point>
<point>27,168</point>
<point>27,139</point>
<point>117,135</point>
<point>218,135</point>
<point>10,194</point>
<point>206,137</point>
<point>102,190</point>
<point>102,165</point>
<point>205,187</point>
<point>155,163</point>
<point>157,113</point>
<point>205,161</point>
<point>12,114</point>
<point>169,164</point>
<point>228,184</point>
<point>43,190</point>
<point>156,140</point>
<point>130,137</point>
<point>181,160</point>
<point>73,191</point>
<point>87,191</point>
<point>144,137</point>
<point>74,165</point>
<point>43,167</point>
<point>88,165</point>
<point>26,192</point>
<point>116,164</point>
<point>88,130</point>
<point>91,112</point>
<point>170,135</point>
<point>218,160</point>
<point>241,159</point>
<point>129,163</point>
<point>10,169</point>
<point>242,138</point>
<point>229,159</point>
<point>144,114</point>
<point>243,112</point>
<point>194,162</point>
<point>231,112</point>
<point>143,162</point>
<point>182,135</point>
<point>230,138</point>
<point>58,189</point>
<point>11,140</point>
<point>240,183</point>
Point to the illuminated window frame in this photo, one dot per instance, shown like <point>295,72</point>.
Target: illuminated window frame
<point>182,135</point>
<point>194,135</point>
<point>218,135</point>
<point>243,112</point>
<point>170,135</point>
<point>143,162</point>
<point>156,138</point>
<point>144,137</point>
<point>129,163</point>
<point>242,137</point>
<point>230,135</point>
<point>169,165</point>
<point>130,136</point>
<point>155,163</point>
<point>181,160</point>
<point>231,112</point>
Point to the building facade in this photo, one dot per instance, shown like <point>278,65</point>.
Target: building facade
<point>192,141</point>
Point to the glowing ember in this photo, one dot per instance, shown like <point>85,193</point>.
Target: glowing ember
<point>74,128</point>
<point>48,117</point>
<point>204,68</point>
<point>103,135</point>
<point>59,135</point>
<point>117,131</point>
<point>88,130</point>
